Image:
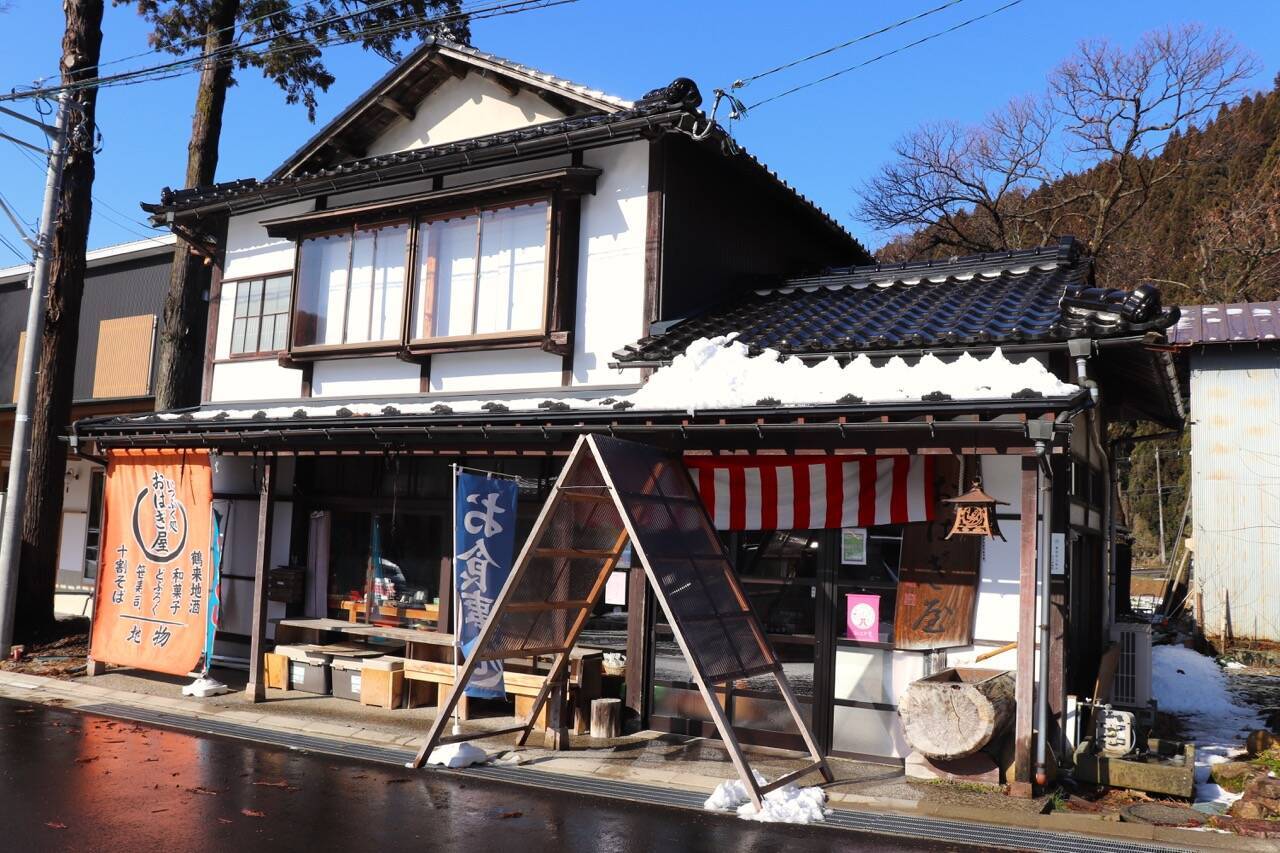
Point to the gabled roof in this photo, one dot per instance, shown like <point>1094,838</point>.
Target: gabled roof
<point>1237,323</point>
<point>1025,296</point>
<point>403,88</point>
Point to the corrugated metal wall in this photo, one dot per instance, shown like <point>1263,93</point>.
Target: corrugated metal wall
<point>124,289</point>
<point>1235,468</point>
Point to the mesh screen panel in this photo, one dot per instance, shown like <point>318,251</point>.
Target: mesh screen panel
<point>687,559</point>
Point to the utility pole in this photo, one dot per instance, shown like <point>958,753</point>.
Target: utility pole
<point>1160,508</point>
<point>10,533</point>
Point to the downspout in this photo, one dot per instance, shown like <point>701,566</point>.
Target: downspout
<point>1044,504</point>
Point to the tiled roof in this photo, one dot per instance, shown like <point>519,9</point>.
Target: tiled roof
<point>1240,322</point>
<point>536,73</point>
<point>993,299</point>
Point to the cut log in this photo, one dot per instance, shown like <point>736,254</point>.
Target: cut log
<point>606,718</point>
<point>956,712</point>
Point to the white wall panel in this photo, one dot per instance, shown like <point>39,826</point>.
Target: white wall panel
<point>498,370</point>
<point>461,109</point>
<point>365,377</point>
<point>250,252</point>
<point>254,379</point>
<point>611,262</point>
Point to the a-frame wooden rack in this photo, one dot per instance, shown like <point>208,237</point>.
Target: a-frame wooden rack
<point>611,492</point>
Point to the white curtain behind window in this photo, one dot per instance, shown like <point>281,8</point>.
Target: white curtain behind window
<point>388,282</point>
<point>513,251</point>
<point>359,297</point>
<point>322,289</point>
<point>448,266</point>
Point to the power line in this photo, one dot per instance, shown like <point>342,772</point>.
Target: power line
<point>885,55</point>
<point>746,81</point>
<point>188,65</point>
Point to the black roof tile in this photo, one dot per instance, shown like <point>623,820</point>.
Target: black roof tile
<point>1022,296</point>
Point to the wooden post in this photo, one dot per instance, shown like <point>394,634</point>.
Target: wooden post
<point>557,734</point>
<point>637,642</point>
<point>444,615</point>
<point>257,687</point>
<point>1020,785</point>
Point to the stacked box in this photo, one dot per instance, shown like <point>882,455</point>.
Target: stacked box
<point>382,681</point>
<point>308,668</point>
<point>346,677</point>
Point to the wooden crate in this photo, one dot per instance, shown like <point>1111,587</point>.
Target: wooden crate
<point>276,668</point>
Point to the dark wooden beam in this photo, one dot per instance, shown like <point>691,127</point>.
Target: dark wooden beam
<point>501,81</point>
<point>406,113</point>
<point>559,102</point>
<point>456,69</point>
<point>1020,785</point>
<point>257,687</point>
<point>638,639</point>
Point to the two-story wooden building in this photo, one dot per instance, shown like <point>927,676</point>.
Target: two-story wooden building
<point>478,259</point>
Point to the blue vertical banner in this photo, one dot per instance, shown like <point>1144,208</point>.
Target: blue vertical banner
<point>214,610</point>
<point>483,549</point>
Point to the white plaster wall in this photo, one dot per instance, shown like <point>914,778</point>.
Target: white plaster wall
<point>365,377</point>
<point>997,610</point>
<point>250,252</point>
<point>495,370</point>
<point>461,109</point>
<point>611,262</point>
<point>254,379</point>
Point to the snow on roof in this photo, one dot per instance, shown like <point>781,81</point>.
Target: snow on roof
<point>718,373</point>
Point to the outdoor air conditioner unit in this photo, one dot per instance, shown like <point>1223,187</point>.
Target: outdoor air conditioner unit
<point>1132,684</point>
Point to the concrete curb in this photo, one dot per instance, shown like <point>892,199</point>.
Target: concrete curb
<point>75,695</point>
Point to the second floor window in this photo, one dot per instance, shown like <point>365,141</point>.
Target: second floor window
<point>482,274</point>
<point>261,316</point>
<point>351,286</point>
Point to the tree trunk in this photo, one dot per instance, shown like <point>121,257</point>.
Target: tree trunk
<point>182,326</point>
<point>59,338</point>
<point>957,711</point>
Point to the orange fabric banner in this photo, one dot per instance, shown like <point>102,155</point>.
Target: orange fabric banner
<point>155,571</point>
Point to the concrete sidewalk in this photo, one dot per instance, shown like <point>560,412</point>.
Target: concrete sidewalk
<point>645,759</point>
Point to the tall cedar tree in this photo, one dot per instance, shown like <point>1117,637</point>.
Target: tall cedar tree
<point>42,512</point>
<point>283,39</point>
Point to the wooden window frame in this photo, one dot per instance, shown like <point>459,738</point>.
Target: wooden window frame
<point>482,340</point>
<point>388,345</point>
<point>258,355</point>
<point>563,198</point>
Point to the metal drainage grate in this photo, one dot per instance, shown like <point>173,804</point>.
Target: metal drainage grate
<point>879,823</point>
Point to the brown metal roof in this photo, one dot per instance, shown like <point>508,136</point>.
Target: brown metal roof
<point>1238,322</point>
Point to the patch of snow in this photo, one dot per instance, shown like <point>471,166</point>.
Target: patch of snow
<point>1234,664</point>
<point>718,373</point>
<point>788,804</point>
<point>460,754</point>
<point>1195,688</point>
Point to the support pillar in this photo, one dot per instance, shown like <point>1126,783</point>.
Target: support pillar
<point>637,643</point>
<point>1020,784</point>
<point>257,687</point>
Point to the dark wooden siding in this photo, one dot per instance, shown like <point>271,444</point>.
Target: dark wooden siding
<point>727,227</point>
<point>122,289</point>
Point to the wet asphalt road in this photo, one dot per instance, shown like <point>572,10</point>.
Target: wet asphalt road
<point>71,782</point>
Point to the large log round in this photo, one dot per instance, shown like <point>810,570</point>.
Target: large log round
<point>956,712</point>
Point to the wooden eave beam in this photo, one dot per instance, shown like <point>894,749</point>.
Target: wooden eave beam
<point>390,103</point>
<point>455,69</point>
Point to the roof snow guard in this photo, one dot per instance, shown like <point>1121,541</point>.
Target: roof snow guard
<point>609,493</point>
<point>1018,297</point>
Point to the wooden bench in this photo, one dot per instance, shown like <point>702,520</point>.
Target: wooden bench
<point>521,678</point>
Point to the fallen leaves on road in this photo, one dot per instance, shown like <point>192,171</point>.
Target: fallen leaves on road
<point>86,759</point>
<point>278,784</point>
<point>53,824</point>
<point>200,790</point>
<point>224,820</point>
<point>397,781</point>
<point>252,813</point>
<point>509,815</point>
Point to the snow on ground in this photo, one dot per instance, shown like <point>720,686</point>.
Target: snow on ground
<point>718,373</point>
<point>788,804</point>
<point>460,754</point>
<point>1195,688</point>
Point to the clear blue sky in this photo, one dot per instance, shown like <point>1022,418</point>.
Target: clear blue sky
<point>824,141</point>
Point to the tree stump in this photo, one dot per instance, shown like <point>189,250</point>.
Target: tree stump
<point>956,712</point>
<point>606,718</point>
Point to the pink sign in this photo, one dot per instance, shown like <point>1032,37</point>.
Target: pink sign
<point>863,617</point>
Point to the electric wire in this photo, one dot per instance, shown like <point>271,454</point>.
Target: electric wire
<point>188,65</point>
<point>885,55</point>
<point>746,81</point>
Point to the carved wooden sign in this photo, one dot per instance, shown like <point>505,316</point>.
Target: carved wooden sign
<point>938,581</point>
